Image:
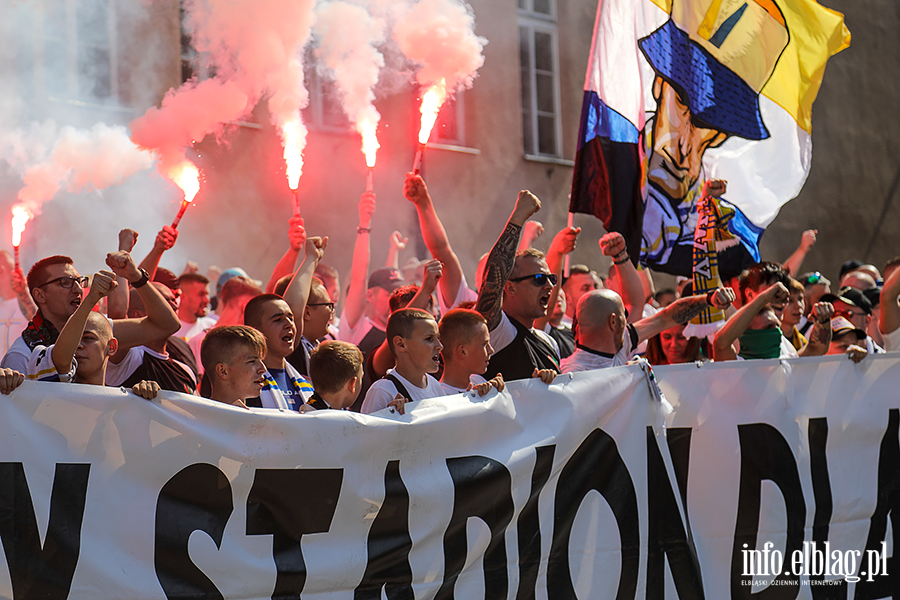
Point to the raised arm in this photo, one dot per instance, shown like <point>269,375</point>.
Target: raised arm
<point>397,243</point>
<point>285,266</point>
<point>807,241</point>
<point>501,260</point>
<point>297,293</point>
<point>723,346</point>
<point>165,239</point>
<point>613,245</point>
<point>117,304</point>
<point>681,311</point>
<point>531,231</point>
<point>890,309</point>
<point>69,338</point>
<point>160,322</point>
<point>563,243</point>
<point>820,336</point>
<point>435,237</point>
<point>382,359</point>
<point>355,304</point>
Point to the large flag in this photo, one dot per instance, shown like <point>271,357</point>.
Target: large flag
<point>681,91</point>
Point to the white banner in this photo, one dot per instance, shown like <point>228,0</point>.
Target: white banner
<point>575,490</point>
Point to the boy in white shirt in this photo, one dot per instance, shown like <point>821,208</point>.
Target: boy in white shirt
<point>467,352</point>
<point>414,340</point>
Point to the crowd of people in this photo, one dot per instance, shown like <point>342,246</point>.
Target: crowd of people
<point>406,338</point>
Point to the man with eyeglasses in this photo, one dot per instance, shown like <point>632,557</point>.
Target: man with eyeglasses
<point>317,316</point>
<point>853,305</point>
<point>58,290</point>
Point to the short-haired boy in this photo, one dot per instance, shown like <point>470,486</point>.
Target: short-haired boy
<point>232,357</point>
<point>415,342</point>
<point>336,370</point>
<point>467,352</point>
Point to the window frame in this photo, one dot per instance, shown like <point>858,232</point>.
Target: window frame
<point>546,25</point>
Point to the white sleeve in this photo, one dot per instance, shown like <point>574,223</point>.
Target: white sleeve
<point>41,368</point>
<point>503,334</point>
<point>15,360</point>
<point>378,397</point>
<point>891,341</point>
<point>352,335</point>
<point>116,374</point>
<point>463,294</point>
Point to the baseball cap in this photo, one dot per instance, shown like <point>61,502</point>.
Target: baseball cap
<point>841,325</point>
<point>386,278</point>
<point>851,296</point>
<point>230,273</point>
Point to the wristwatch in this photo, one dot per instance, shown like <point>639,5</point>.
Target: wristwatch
<point>145,277</point>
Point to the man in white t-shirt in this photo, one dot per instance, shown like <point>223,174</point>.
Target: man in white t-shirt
<point>606,339</point>
<point>414,340</point>
<point>192,305</point>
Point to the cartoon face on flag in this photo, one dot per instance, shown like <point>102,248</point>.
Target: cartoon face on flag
<point>716,89</point>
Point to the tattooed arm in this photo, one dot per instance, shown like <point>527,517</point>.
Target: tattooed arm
<point>502,258</point>
<point>820,336</point>
<point>681,311</point>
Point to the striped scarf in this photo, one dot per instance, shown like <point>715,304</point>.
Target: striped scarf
<point>272,397</point>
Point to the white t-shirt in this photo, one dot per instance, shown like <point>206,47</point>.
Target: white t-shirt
<point>892,341</point>
<point>116,374</point>
<point>189,330</point>
<point>463,294</point>
<point>17,356</point>
<point>383,391</point>
<point>505,332</point>
<point>584,359</point>
<point>12,323</point>
<point>474,379</point>
<point>356,334</point>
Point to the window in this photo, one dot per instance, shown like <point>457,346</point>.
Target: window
<point>450,125</point>
<point>540,78</point>
<point>80,52</point>
<point>324,111</point>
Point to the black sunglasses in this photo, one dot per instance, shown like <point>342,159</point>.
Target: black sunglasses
<point>538,279</point>
<point>330,305</point>
<point>66,282</point>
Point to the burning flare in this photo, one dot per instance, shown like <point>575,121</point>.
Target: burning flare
<point>293,135</point>
<point>187,177</point>
<point>431,105</point>
<point>20,216</point>
<point>370,143</point>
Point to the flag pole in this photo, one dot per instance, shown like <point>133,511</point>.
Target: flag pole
<point>566,261</point>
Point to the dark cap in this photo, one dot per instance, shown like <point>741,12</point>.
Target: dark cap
<point>874,296</point>
<point>851,296</point>
<point>386,278</point>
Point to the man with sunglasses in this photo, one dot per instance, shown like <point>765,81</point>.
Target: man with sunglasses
<point>516,291</point>
<point>58,290</point>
